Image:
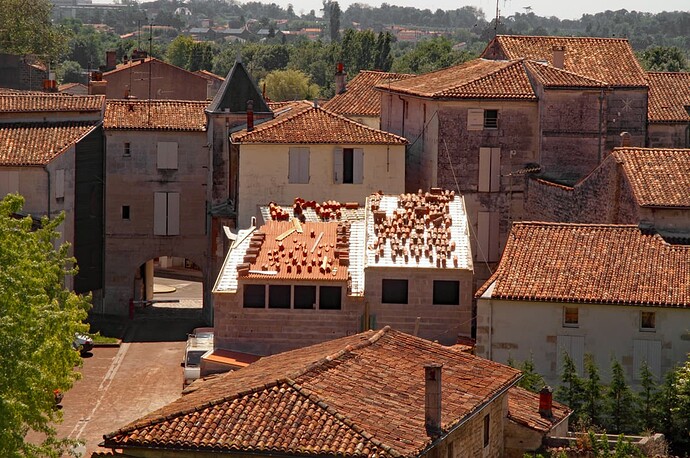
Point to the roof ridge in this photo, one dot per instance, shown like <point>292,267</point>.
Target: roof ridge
<point>532,62</point>
<point>492,73</point>
<point>557,37</point>
<point>564,224</point>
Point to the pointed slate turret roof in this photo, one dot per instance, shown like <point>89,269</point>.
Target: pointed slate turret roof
<point>235,91</point>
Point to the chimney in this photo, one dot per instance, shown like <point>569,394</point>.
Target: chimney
<point>97,86</point>
<point>250,115</point>
<point>546,402</point>
<point>110,60</point>
<point>558,56</point>
<point>432,399</point>
<point>340,77</point>
<point>625,139</point>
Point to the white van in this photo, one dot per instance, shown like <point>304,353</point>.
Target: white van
<point>199,342</point>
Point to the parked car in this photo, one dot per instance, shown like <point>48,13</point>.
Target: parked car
<point>199,342</point>
<point>82,343</point>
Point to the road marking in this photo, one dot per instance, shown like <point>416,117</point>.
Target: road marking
<point>103,388</point>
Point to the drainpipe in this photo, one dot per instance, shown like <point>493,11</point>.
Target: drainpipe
<point>601,120</point>
<point>45,168</point>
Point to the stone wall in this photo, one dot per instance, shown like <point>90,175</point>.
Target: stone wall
<point>668,135</point>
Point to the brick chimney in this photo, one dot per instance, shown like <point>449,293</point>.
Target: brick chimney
<point>625,139</point>
<point>97,86</point>
<point>432,399</point>
<point>340,77</point>
<point>250,115</point>
<point>546,402</point>
<point>110,60</point>
<point>558,56</point>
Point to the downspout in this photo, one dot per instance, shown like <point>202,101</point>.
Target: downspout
<point>45,168</point>
<point>601,116</point>
<point>491,328</point>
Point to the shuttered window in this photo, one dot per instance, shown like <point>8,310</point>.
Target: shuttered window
<point>299,165</point>
<point>348,165</point>
<point>648,351</point>
<point>475,119</point>
<point>166,213</point>
<point>167,155</point>
<point>488,236</point>
<point>574,346</point>
<point>489,170</point>
<point>9,182</point>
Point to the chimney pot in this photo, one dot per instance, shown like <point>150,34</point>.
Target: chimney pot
<point>558,56</point>
<point>546,402</point>
<point>625,139</point>
<point>250,115</point>
<point>340,77</point>
<point>432,399</point>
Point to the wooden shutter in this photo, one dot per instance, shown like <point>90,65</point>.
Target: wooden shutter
<point>495,169</point>
<point>167,155</point>
<point>304,165</point>
<point>484,183</point>
<point>293,170</point>
<point>59,183</point>
<point>160,212</point>
<point>494,239</point>
<point>338,165</point>
<point>575,347</point>
<point>358,166</point>
<point>649,351</point>
<point>173,217</point>
<point>475,119</point>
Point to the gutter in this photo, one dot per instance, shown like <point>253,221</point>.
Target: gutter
<point>45,168</point>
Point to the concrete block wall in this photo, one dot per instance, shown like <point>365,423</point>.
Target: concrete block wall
<point>436,322</point>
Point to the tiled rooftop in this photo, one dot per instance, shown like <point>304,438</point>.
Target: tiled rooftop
<point>658,177</point>
<point>35,144</point>
<point>607,59</point>
<point>478,78</point>
<point>523,408</point>
<point>49,102</point>
<point>313,211</point>
<point>669,97</point>
<point>360,98</point>
<point>590,263</point>
<point>418,230</point>
<point>555,77</point>
<point>358,396</point>
<point>315,125</point>
<point>177,115</point>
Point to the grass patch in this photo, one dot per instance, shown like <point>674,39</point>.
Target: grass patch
<point>99,339</point>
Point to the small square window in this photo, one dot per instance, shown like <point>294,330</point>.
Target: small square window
<point>127,149</point>
<point>571,317</point>
<point>394,291</point>
<point>125,212</point>
<point>279,296</point>
<point>330,297</point>
<point>254,296</point>
<point>490,119</point>
<point>446,292</point>
<point>305,297</point>
<point>648,321</point>
<point>487,424</point>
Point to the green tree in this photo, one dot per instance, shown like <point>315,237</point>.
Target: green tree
<point>39,318</point>
<point>383,59</point>
<point>334,21</point>
<point>620,406</point>
<point>664,59</point>
<point>282,85</point>
<point>531,380</point>
<point>647,397</point>
<point>593,390</point>
<point>680,408</point>
<point>70,72</point>
<point>358,50</point>
<point>179,50</point>
<point>25,28</point>
<point>430,55</point>
<point>571,391</point>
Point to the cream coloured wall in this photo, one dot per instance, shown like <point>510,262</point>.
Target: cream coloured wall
<point>264,169</point>
<point>518,330</point>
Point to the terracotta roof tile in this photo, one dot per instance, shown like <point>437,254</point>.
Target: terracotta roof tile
<point>290,250</point>
<point>423,230</point>
<point>523,408</point>
<point>669,97</point>
<point>33,144</point>
<point>555,77</point>
<point>356,396</point>
<point>608,59</point>
<point>360,98</point>
<point>49,102</point>
<point>178,115</point>
<point>658,177</point>
<point>478,78</point>
<point>589,263</point>
<point>315,125</point>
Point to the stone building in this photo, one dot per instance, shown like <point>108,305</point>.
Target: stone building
<point>23,72</point>
<point>52,152</point>
<point>581,288</point>
<point>668,116</point>
<point>375,394</point>
<point>406,263</point>
<point>158,168</point>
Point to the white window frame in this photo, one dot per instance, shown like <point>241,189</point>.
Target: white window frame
<point>489,170</point>
<point>167,155</point>
<point>166,213</point>
<point>298,171</point>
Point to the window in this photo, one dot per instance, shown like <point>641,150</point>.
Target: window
<point>394,291</point>
<point>574,346</point>
<point>254,296</point>
<point>649,352</point>
<point>490,119</point>
<point>330,297</point>
<point>60,184</point>
<point>647,321</point>
<point>125,212</point>
<point>488,241</point>
<point>166,213</point>
<point>127,151</point>
<point>348,165</point>
<point>279,296</point>
<point>489,170</point>
<point>446,292</point>
<point>299,165</point>
<point>167,155</point>
<point>487,424</point>
<point>571,317</point>
<point>305,297</point>
<point>9,182</point>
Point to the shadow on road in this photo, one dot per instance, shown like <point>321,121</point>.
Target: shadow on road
<point>153,324</point>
